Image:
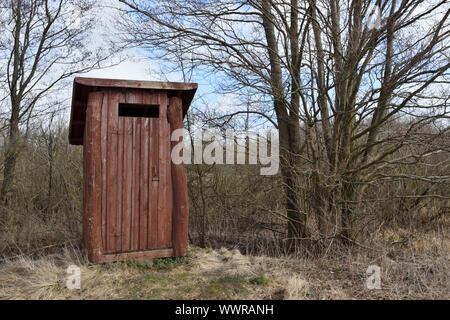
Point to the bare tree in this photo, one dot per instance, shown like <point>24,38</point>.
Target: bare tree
<point>337,84</point>
<point>42,45</point>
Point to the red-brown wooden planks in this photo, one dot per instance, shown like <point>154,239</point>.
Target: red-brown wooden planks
<point>144,214</point>
<point>138,175</point>
<point>86,163</point>
<point>136,188</point>
<point>127,182</point>
<point>179,185</point>
<point>135,198</point>
<point>113,228</point>
<point>82,87</point>
<point>104,156</point>
<point>93,178</point>
<point>120,173</point>
<point>164,193</point>
<point>154,176</point>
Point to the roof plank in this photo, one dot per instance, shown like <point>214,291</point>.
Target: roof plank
<point>83,86</point>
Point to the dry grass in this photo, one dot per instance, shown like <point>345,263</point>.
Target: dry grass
<point>227,274</point>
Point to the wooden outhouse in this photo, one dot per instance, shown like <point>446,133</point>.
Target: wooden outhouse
<point>135,203</point>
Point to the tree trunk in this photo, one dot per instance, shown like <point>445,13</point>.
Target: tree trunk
<point>289,132</point>
<point>345,225</point>
<point>290,171</point>
<point>12,151</point>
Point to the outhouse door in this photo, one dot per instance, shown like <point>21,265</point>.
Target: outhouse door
<point>136,200</point>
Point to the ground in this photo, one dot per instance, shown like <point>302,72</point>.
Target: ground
<point>226,274</point>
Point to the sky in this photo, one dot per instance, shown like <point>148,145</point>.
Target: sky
<point>137,65</point>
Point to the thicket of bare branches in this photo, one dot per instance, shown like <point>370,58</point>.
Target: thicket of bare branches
<point>357,105</point>
<point>42,45</point>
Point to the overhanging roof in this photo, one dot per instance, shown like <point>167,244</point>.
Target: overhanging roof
<point>83,86</point>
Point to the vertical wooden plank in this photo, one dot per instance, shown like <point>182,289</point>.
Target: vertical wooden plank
<point>154,176</point>
<point>113,229</point>
<point>136,175</point>
<point>93,177</point>
<point>145,135</point>
<point>165,190</point>
<point>104,156</point>
<point>86,163</point>
<point>120,164</point>
<point>180,218</point>
<point>127,178</point>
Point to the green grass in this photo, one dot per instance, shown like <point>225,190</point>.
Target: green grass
<point>157,264</point>
<point>153,277</point>
<point>138,265</point>
<point>337,269</point>
<point>167,263</point>
<point>260,281</point>
<point>225,288</point>
<point>183,275</point>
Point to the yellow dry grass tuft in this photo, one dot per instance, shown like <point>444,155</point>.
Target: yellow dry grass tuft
<point>296,288</point>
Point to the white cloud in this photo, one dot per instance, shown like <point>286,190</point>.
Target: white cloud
<point>128,70</point>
